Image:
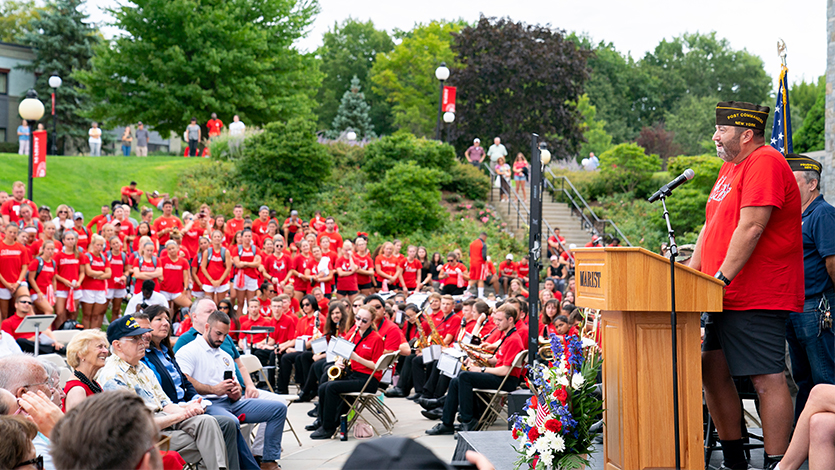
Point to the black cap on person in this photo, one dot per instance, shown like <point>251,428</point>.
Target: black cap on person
<point>391,453</point>
<point>123,327</point>
<point>741,114</point>
<point>799,162</point>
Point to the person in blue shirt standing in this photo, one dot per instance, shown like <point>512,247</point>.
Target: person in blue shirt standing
<point>809,333</point>
<point>23,138</point>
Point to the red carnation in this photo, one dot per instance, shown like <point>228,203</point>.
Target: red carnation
<point>515,433</point>
<point>553,425</point>
<point>561,395</point>
<point>533,434</point>
<point>533,402</point>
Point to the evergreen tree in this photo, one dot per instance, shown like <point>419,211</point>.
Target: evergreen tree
<point>63,42</point>
<point>810,137</point>
<point>353,114</point>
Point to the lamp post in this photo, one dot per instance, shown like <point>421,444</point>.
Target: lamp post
<point>540,157</point>
<point>351,135</point>
<point>441,73</point>
<point>449,117</point>
<point>54,82</point>
<point>31,109</point>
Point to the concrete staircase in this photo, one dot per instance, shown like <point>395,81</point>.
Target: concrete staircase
<point>557,215</point>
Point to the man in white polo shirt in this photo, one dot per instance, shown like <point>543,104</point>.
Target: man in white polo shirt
<point>211,368</point>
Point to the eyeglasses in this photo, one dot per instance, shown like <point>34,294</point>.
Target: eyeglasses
<point>223,308</point>
<point>357,305</point>
<point>25,302</point>
<point>306,304</point>
<point>362,320</point>
<point>37,462</point>
<point>62,212</point>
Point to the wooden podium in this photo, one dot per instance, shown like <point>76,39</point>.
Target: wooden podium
<point>631,286</point>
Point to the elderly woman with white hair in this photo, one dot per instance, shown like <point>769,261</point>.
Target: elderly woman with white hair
<point>86,354</point>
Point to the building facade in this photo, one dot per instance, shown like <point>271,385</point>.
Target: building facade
<point>14,83</point>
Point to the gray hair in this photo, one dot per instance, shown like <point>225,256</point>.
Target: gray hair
<point>809,176</point>
<point>18,370</point>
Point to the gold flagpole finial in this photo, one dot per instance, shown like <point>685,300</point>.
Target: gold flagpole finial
<point>781,50</point>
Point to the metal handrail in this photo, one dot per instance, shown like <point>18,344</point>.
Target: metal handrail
<point>593,225</point>
<point>520,203</point>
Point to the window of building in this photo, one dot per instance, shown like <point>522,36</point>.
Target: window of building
<point>3,134</point>
<point>4,81</point>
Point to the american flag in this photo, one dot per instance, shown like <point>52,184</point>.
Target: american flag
<point>541,413</point>
<point>781,133</point>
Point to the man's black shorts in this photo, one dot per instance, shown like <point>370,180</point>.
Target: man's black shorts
<point>754,341</point>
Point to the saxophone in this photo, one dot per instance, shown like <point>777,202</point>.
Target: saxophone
<point>317,323</point>
<point>421,342</point>
<point>435,337</point>
<point>335,372</point>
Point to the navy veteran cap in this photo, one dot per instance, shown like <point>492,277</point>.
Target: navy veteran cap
<point>799,162</point>
<point>123,327</point>
<point>741,114</point>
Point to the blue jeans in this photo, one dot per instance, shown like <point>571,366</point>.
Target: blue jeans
<point>255,410</point>
<point>126,150</point>
<point>811,349</point>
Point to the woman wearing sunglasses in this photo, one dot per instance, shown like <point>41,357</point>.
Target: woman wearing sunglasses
<point>367,350</point>
<point>17,451</point>
<point>304,327</point>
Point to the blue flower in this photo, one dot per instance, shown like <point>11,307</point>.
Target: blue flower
<point>568,422</point>
<point>575,352</point>
<point>556,347</point>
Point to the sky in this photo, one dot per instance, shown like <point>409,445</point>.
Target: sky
<point>634,26</point>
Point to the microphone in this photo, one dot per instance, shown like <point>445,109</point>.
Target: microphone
<point>668,188</point>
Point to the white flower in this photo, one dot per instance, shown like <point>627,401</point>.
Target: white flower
<point>547,459</point>
<point>588,343</point>
<point>556,442</point>
<point>577,381</point>
<point>562,381</point>
<point>531,451</point>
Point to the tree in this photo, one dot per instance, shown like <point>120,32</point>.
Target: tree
<point>16,17</point>
<point>597,140</point>
<point>282,162</point>
<point>188,58</point>
<point>659,141</point>
<point>63,42</point>
<point>349,50</point>
<point>810,137</point>
<point>693,122</point>
<point>802,97</point>
<point>406,75</point>
<point>381,155</point>
<point>353,114</point>
<point>625,166</point>
<point>518,79</point>
<point>395,207</point>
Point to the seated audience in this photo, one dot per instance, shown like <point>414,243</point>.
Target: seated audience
<point>86,354</point>
<point>17,451</point>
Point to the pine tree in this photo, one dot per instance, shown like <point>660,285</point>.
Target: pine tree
<point>63,42</point>
<point>353,114</point>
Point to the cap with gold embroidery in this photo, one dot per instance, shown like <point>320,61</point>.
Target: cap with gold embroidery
<point>741,114</point>
<point>799,162</point>
<point>123,327</point>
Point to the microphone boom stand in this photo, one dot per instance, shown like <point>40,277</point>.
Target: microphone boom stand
<point>673,323</point>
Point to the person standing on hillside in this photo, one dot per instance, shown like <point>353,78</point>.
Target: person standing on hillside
<point>752,241</point>
<point>193,136</point>
<point>142,137</point>
<point>94,140</point>
<point>495,151</point>
<point>236,131</point>
<point>475,154</point>
<point>478,260</point>
<point>215,125</point>
<point>23,138</point>
<point>127,140</point>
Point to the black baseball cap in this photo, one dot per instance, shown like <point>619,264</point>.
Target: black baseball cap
<point>393,453</point>
<point>124,327</point>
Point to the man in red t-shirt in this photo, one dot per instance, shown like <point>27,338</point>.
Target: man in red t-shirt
<point>166,223</point>
<point>100,220</point>
<point>131,196</point>
<point>261,224</point>
<point>460,397</point>
<point>215,125</point>
<point>11,208</point>
<point>554,242</point>
<point>752,242</point>
<point>235,224</point>
<point>508,271</point>
<point>335,238</point>
<point>478,260</point>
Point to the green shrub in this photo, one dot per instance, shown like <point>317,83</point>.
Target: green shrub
<point>9,147</point>
<point>624,167</point>
<point>706,168</point>
<point>381,155</point>
<point>468,181</point>
<point>687,209</point>
<point>453,199</point>
<point>284,161</point>
<point>405,200</point>
<point>345,154</point>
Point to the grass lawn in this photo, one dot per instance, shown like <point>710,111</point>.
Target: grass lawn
<point>85,183</point>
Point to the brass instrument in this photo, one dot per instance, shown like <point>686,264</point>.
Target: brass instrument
<point>317,323</point>
<point>476,339</point>
<point>336,372</point>
<point>545,351</point>
<point>435,336</point>
<point>422,342</point>
<point>476,355</point>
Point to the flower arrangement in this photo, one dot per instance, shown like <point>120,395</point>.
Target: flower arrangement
<point>553,432</point>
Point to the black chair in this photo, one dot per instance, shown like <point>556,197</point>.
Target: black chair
<point>745,390</point>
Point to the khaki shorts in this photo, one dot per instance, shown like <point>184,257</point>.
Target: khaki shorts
<point>141,151</point>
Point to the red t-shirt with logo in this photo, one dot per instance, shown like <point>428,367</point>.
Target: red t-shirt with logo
<point>162,223</point>
<point>43,279</point>
<point>117,270</point>
<point>83,237</point>
<point>247,324</point>
<point>410,272</point>
<point>97,263</point>
<point>508,351</point>
<point>366,264</point>
<point>346,283</point>
<point>247,255</point>
<point>523,270</point>
<point>13,258</point>
<point>335,238</point>
<point>173,274</point>
<point>69,268</point>
<point>278,266</point>
<point>285,329</point>
<point>146,267</point>
<point>772,278</point>
<point>452,270</point>
<point>370,347</point>
<point>214,125</point>
<point>191,239</point>
<point>302,264</point>
<point>387,264</point>
<point>11,208</point>
<point>392,336</point>
<point>233,226</point>
<point>507,268</point>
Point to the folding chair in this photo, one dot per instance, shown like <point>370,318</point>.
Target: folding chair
<point>55,359</point>
<point>253,365</point>
<point>496,399</point>
<point>360,401</point>
<point>65,336</point>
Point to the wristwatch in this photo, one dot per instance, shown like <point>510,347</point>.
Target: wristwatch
<point>722,277</point>
<point>483,368</point>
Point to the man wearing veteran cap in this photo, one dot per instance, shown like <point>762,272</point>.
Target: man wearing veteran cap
<point>809,331</point>
<point>194,435</point>
<point>752,242</point>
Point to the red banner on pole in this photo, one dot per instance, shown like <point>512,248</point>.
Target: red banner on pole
<point>39,155</point>
<point>448,103</point>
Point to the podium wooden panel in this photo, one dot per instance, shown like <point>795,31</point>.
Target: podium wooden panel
<point>631,286</point>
